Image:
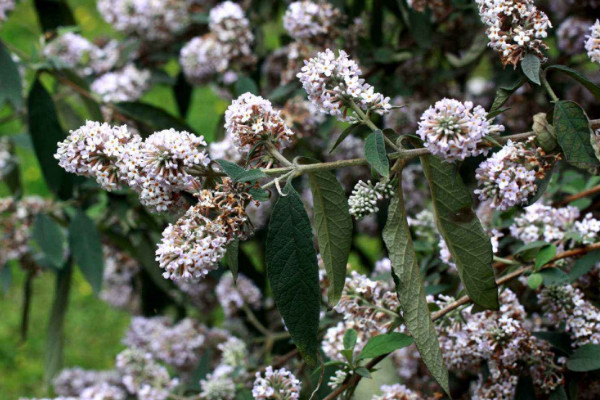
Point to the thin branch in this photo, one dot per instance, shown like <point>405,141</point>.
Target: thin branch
<point>575,197</point>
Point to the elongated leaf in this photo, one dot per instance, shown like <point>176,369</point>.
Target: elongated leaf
<point>546,254</point>
<point>55,342</point>
<point>350,338</point>
<point>411,293</point>
<point>467,242</point>
<point>352,129</point>
<point>49,237</point>
<point>10,80</point>
<point>152,118</point>
<point>585,358</point>
<point>503,95</point>
<point>531,68</point>
<point>183,94</point>
<point>579,77</point>
<point>334,229</point>
<point>375,153</point>
<point>239,174</point>
<point>383,344</point>
<point>573,133</point>
<point>293,272</point>
<point>54,13</point>
<point>245,84</point>
<point>86,248</point>
<point>46,132</point>
<point>232,258</point>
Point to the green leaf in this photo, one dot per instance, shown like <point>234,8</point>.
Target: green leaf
<point>333,225</point>
<point>559,340</point>
<point>585,358</point>
<point>579,77</point>
<point>503,95</point>
<point>531,68</point>
<point>183,94</point>
<point>477,48</point>
<point>558,394</point>
<point>362,371</point>
<point>293,272</point>
<point>410,290</point>
<point>385,343</point>
<point>583,265</point>
<point>525,389</point>
<point>350,338</point>
<point>245,84</point>
<point>375,153</point>
<point>554,276</point>
<point>55,341</point>
<point>6,278</point>
<point>573,133</point>
<point>53,14</point>
<point>152,118</point>
<point>352,129</point>
<point>239,174</point>
<point>231,256</point>
<point>544,256</point>
<point>534,281</point>
<point>467,241</point>
<point>86,248</point>
<point>542,185</point>
<point>49,237</point>
<point>46,132</point>
<point>92,106</point>
<point>420,28</point>
<point>10,80</point>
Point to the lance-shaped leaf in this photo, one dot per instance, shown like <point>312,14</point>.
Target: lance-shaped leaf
<point>503,94</point>
<point>467,241</point>
<point>55,342</point>
<point>411,293</point>
<point>573,133</point>
<point>10,80</point>
<point>531,68</point>
<point>86,248</point>
<point>53,14</point>
<point>383,344</point>
<point>375,153</point>
<point>579,77</point>
<point>49,237</point>
<point>293,272</point>
<point>334,229</point>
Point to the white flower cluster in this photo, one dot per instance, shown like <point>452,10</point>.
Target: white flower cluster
<point>143,376</point>
<point>541,222</point>
<point>127,84</point>
<point>251,120</point>
<point>570,33</point>
<point>71,50</point>
<point>72,382</point>
<point>310,20</point>
<point>192,246</point>
<point>592,44</point>
<point>218,385</point>
<point>150,20</point>
<point>396,392</point>
<point>103,391</point>
<point>178,344</point>
<point>452,129</point>
<point>117,283</point>
<point>365,196</point>
<point>225,49</point>
<point>334,85</point>
<point>234,295</point>
<point>279,384</point>
<point>515,28</point>
<point>500,339</point>
<point>5,7</point>
<point>566,304</point>
<point>508,177</point>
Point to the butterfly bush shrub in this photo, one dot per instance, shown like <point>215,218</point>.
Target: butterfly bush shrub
<point>399,192</point>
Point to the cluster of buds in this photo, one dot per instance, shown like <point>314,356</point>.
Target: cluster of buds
<point>335,86</point>
<point>566,304</point>
<point>234,295</point>
<point>508,178</point>
<point>150,20</point>
<point>307,20</point>
<point>366,196</point>
<point>515,28</point>
<point>279,384</point>
<point>252,124</point>
<point>225,49</point>
<point>218,385</point>
<point>192,246</point>
<point>453,130</point>
<point>127,84</point>
<point>592,44</point>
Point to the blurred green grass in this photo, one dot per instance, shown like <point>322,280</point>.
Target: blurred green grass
<point>93,329</point>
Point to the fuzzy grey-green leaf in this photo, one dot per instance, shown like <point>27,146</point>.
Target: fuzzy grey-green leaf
<point>333,225</point>
<point>375,153</point>
<point>573,133</point>
<point>531,68</point>
<point>385,343</point>
<point>49,237</point>
<point>293,272</point>
<point>10,80</point>
<point>86,248</point>
<point>466,239</point>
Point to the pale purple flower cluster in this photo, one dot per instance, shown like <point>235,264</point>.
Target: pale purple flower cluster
<point>225,49</point>
<point>396,392</point>
<point>143,376</point>
<point>570,35</point>
<point>310,20</point>
<point>566,304</point>
<point>335,86</point>
<point>515,28</point>
<point>452,130</point>
<point>73,381</point>
<point>127,84</point>
<point>218,385</point>
<point>234,295</point>
<point>592,44</point>
<point>509,176</point>
<point>150,20</point>
<point>103,391</point>
<point>366,196</point>
<point>6,6</point>
<point>279,384</point>
<point>118,288</point>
